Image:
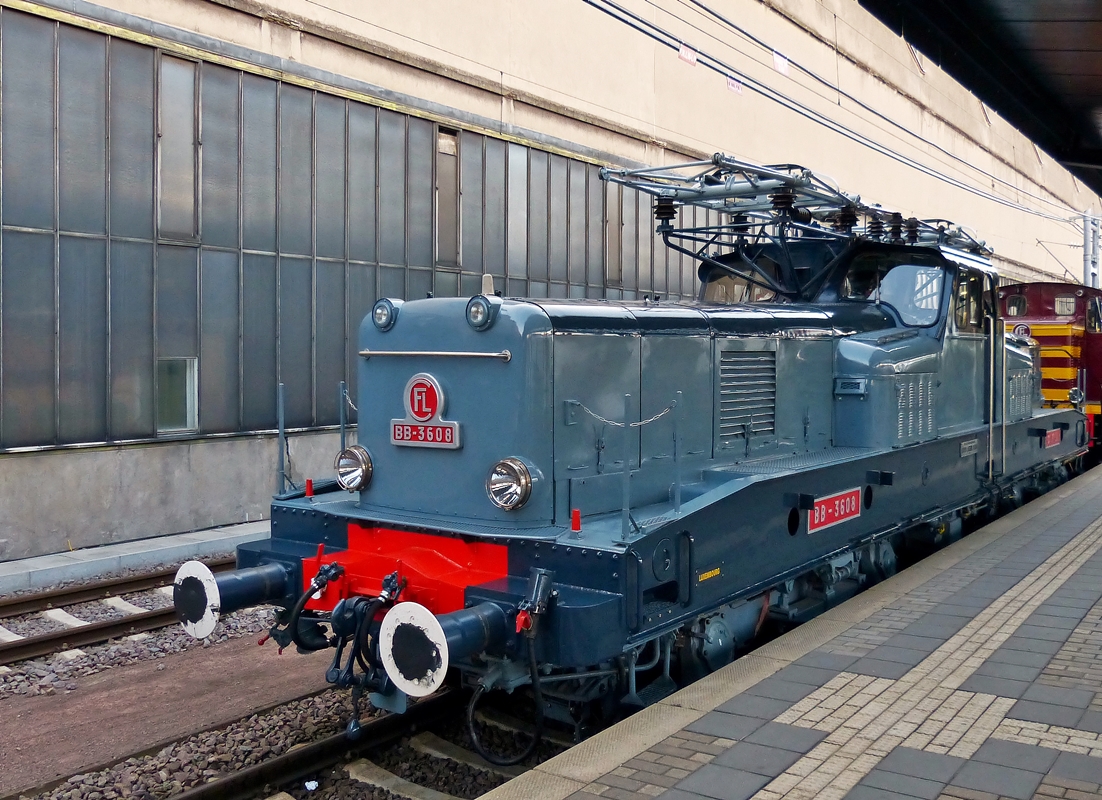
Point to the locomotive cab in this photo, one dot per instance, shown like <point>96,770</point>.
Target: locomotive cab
<point>574,497</point>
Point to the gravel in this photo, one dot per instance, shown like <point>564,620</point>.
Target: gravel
<point>152,600</point>
<point>333,785</point>
<point>94,611</point>
<point>459,780</point>
<point>199,758</point>
<point>32,624</point>
<point>58,673</point>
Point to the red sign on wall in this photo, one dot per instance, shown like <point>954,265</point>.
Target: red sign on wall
<point>834,509</point>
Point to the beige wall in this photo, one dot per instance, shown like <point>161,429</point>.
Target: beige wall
<point>568,70</point>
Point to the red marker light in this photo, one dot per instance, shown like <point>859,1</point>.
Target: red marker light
<point>576,520</point>
<point>524,621</point>
<point>309,488</point>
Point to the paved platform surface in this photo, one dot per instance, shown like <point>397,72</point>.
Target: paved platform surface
<point>40,571</point>
<point>976,674</point>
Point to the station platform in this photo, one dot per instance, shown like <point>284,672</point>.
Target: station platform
<point>975,674</point>
<point>41,571</point>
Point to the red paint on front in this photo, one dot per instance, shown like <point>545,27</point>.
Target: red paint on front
<point>1053,437</point>
<point>437,569</point>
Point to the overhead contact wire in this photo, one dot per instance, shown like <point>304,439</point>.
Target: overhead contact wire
<point>717,65</point>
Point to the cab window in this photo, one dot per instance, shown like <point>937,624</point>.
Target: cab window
<point>1065,305</point>
<point>1015,306</point>
<point>909,284</point>
<point>968,302</point>
<point>1094,315</point>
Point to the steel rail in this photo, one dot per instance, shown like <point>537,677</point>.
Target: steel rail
<point>314,757</point>
<point>92,633</point>
<point>111,587</point>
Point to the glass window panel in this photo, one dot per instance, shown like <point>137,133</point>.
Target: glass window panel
<point>688,265</point>
<point>361,296</point>
<point>518,211</point>
<point>556,245</point>
<point>82,325</point>
<point>330,192</point>
<point>422,145</point>
<point>258,342</point>
<point>446,285</point>
<point>516,287</point>
<point>82,130</point>
<point>556,290</point>
<point>392,187</point>
<point>132,148</point>
<point>469,285</point>
<point>613,273</point>
<point>470,188</point>
<point>131,340</point>
<point>258,162</point>
<point>361,182</point>
<point>220,98</point>
<point>177,396</point>
<point>329,348</point>
<point>296,345</point>
<point>28,120</point>
<point>178,143</point>
<point>494,236</point>
<point>447,198</point>
<point>643,228</point>
<point>27,329</point>
<point>392,282</point>
<point>175,404</point>
<point>537,289</point>
<point>218,343</point>
<point>576,217</point>
<point>537,215</point>
<point>420,284</point>
<point>595,226</point>
<point>177,296</point>
<point>629,240</point>
<point>295,169</point>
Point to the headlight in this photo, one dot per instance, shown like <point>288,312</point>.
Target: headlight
<point>509,484</point>
<point>480,313</point>
<point>354,468</point>
<point>384,314</point>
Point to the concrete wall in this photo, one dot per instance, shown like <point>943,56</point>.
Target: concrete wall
<point>59,500</point>
<point>570,74</point>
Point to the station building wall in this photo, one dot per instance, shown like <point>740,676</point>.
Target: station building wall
<point>201,200</point>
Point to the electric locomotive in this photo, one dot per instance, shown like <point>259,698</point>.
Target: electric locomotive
<point>590,499</point>
<point>1065,322</point>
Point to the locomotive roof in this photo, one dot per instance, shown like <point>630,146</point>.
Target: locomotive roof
<point>761,319</point>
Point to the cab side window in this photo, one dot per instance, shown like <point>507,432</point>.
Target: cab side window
<point>968,299</point>
<point>1094,315</point>
<point>1065,305</point>
<point>1015,306</point>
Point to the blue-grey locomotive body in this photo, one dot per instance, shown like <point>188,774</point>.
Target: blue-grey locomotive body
<point>573,494</point>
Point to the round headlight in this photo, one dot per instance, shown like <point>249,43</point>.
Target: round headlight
<point>479,313</point>
<point>354,468</point>
<point>509,484</point>
<point>384,314</point>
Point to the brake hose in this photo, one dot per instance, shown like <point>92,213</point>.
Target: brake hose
<point>537,735</point>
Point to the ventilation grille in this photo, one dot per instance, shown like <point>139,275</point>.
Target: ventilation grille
<point>747,393</point>
<point>915,419</point>
<point>1018,399</point>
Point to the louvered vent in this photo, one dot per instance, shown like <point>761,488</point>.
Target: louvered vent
<point>915,419</point>
<point>747,393</point>
<point>1018,404</point>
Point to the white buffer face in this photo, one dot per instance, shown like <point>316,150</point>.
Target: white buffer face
<point>197,600</point>
<point>414,649</point>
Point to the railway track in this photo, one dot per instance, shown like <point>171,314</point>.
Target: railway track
<point>310,759</point>
<point>14,648</point>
